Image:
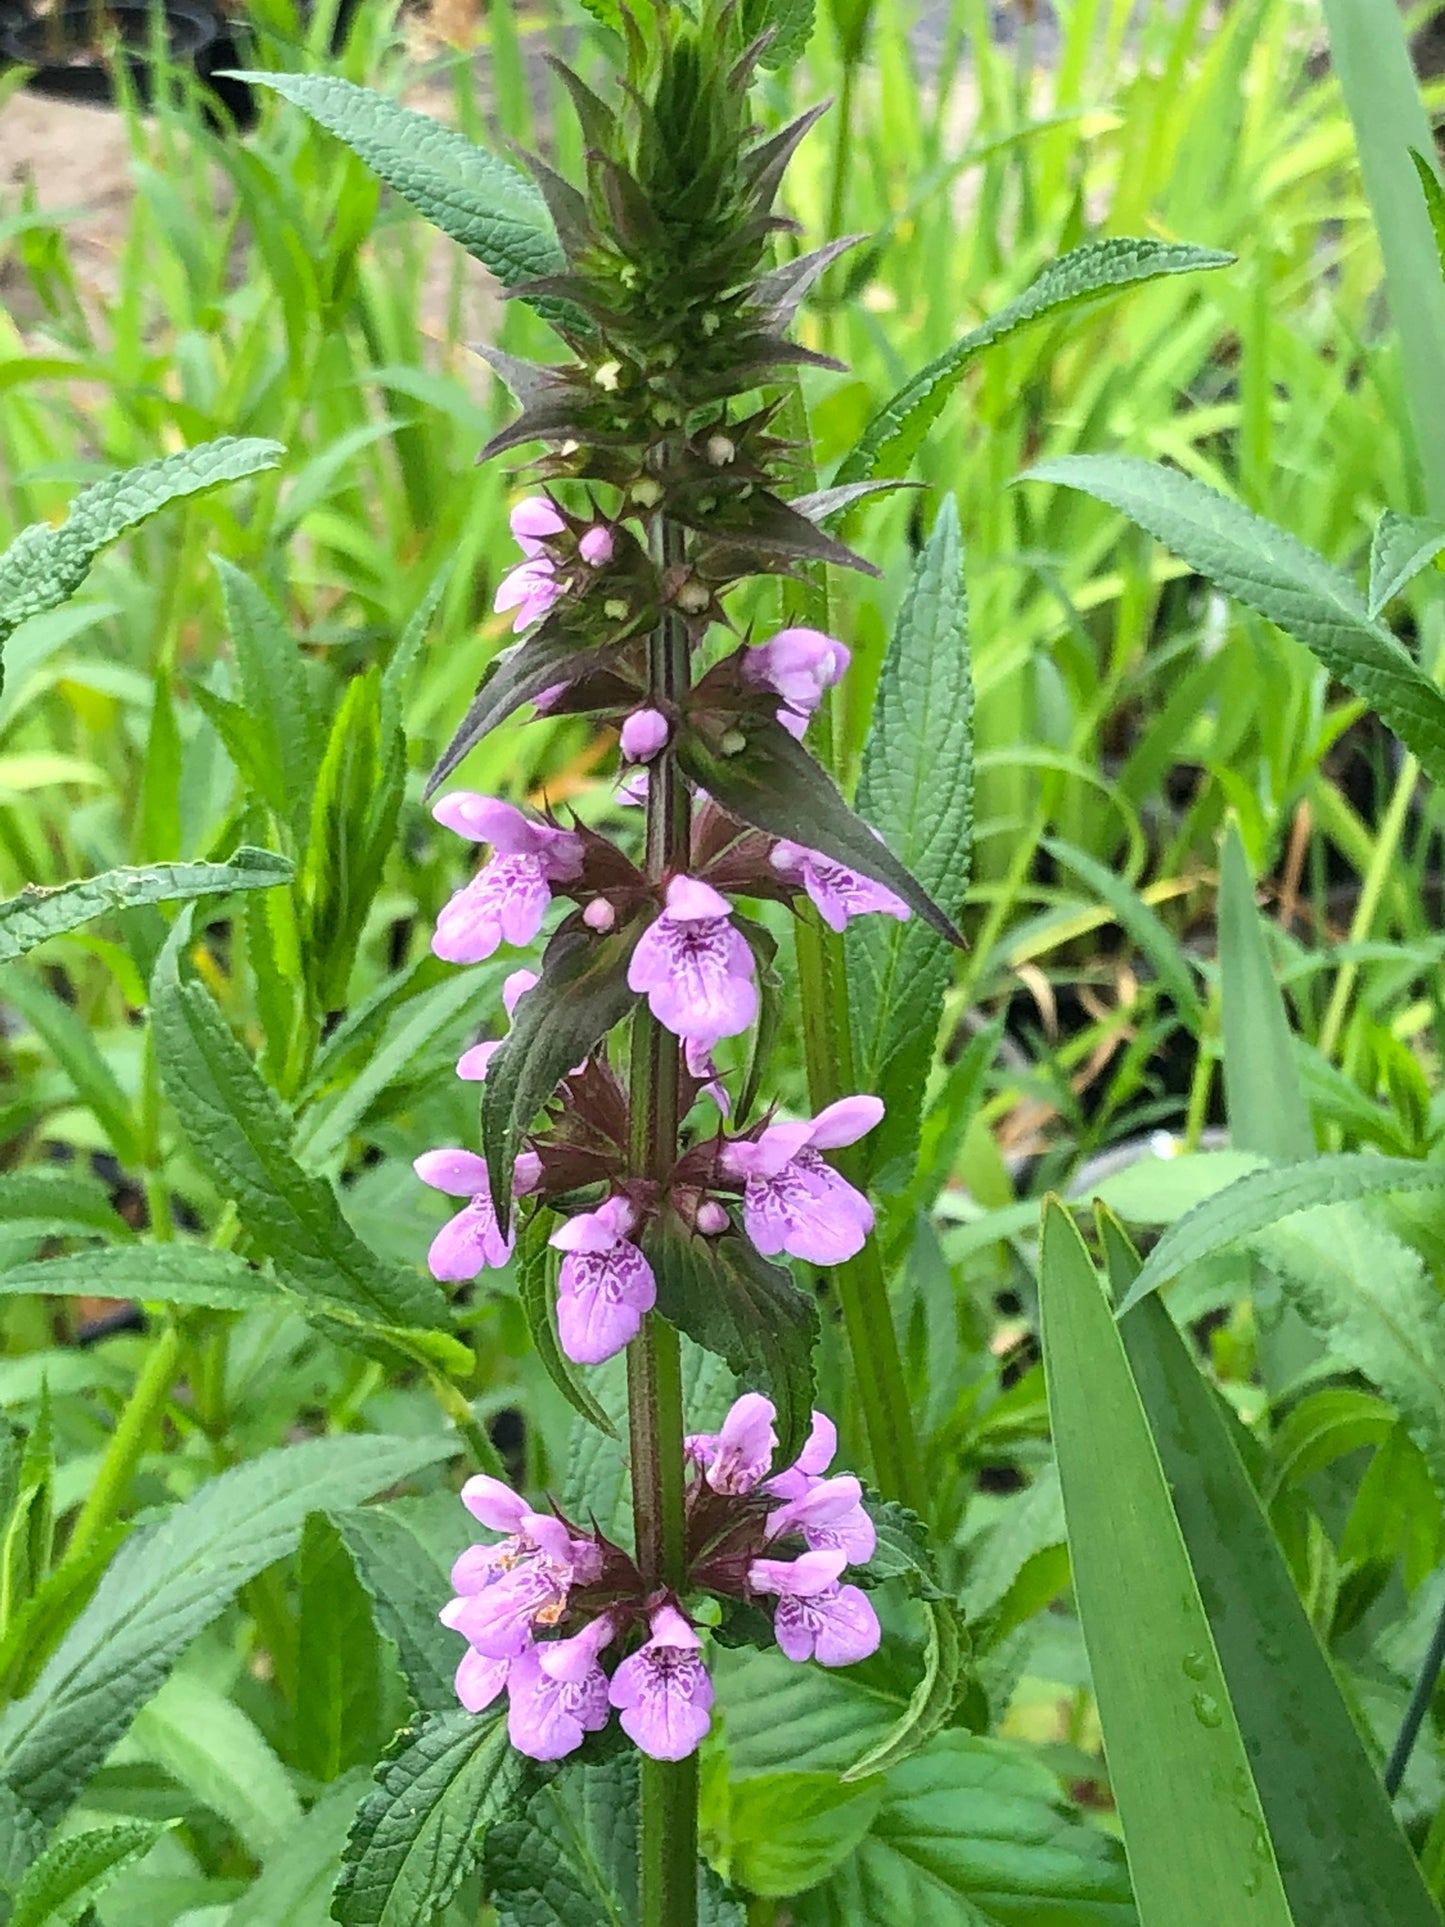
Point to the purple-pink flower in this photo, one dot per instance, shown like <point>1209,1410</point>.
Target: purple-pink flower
<point>793,1200</point>
<point>837,893</point>
<point>605,1284</point>
<point>507,900</point>
<point>798,665</point>
<point>663,1691</point>
<point>694,966</point>
<point>557,1693</point>
<point>644,733</point>
<point>531,589</point>
<point>533,586</point>
<point>506,1590</point>
<point>472,1064</point>
<point>815,1617</point>
<point>472,1241</point>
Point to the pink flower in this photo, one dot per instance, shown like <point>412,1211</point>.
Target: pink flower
<point>480,1680</point>
<point>531,589</point>
<point>793,1200</point>
<point>471,1241</point>
<point>798,664</point>
<point>711,1218</point>
<point>815,1617</point>
<point>814,1459</point>
<point>739,1456</point>
<point>508,898</point>
<point>558,1693</point>
<point>596,546</point>
<point>838,893</point>
<point>697,1054</point>
<point>605,1285</point>
<point>507,1589</point>
<point>694,966</point>
<point>663,1691</point>
<point>831,1516</point>
<point>472,1064</point>
<point>533,521</point>
<point>644,733</point>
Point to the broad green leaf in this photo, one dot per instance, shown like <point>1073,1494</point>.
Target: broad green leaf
<point>37,913</point>
<point>535,1294</point>
<point>403,1553</point>
<point>1087,274</point>
<point>791,23</point>
<point>71,1042</point>
<point>58,1886</point>
<point>1316,1781</point>
<point>211,1748</point>
<point>1402,546</point>
<point>242,1134</point>
<point>44,565</point>
<point>338,1658</point>
<point>50,1201</point>
<point>1198,1851</point>
<point>781,1718</point>
<point>581,997</point>
<point>944,1660</point>
<point>916,787</point>
<point>731,1300</point>
<point>1263,1198</point>
<point>788,1831</point>
<point>295,1884</point>
<point>973,1833</point>
<point>166,1583</point>
<point>175,1274</point>
<point>419,1831</point>
<point>571,1859</point>
<point>274,694</point>
<point>1263,1093</point>
<point>774,784</point>
<point>494,212</point>
<point>1370,56</point>
<point>1273,573</point>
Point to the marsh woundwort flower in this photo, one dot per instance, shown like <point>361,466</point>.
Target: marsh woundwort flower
<point>508,898</point>
<point>799,665</point>
<point>663,1691</point>
<point>694,966</point>
<point>605,1284</point>
<point>793,1199</point>
<point>472,1241</point>
<point>837,893</point>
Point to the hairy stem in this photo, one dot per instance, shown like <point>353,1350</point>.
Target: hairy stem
<point>668,1842</point>
<point>127,1443</point>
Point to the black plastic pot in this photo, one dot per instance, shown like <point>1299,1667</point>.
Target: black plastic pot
<point>73,47</point>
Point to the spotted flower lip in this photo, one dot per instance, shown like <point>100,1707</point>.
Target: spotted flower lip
<point>798,665</point>
<point>508,899</point>
<point>694,967</point>
<point>663,1692</point>
<point>472,1241</point>
<point>837,893</point>
<point>605,1285</point>
<point>793,1200</point>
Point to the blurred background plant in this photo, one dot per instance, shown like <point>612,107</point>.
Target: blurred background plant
<point>245,671</point>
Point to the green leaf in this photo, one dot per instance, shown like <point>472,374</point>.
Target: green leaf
<point>934,1698</point>
<point>175,1274</point>
<point>729,1299</point>
<point>211,1748</point>
<point>774,784</point>
<point>1262,1198</point>
<point>276,698</point>
<point>571,1859</point>
<point>1402,546</point>
<point>582,994</point>
<point>974,1832</point>
<point>72,1871</point>
<point>1199,1854</point>
<point>166,1583</point>
<point>535,1294</point>
<point>22,1841</point>
<point>49,1201</point>
<point>241,1133</point>
<point>788,1831</point>
<point>1268,570</point>
<point>1316,1781</point>
<point>419,1830</point>
<point>781,1718</point>
<point>45,565</point>
<point>71,1042</point>
<point>494,212</point>
<point>37,913</point>
<point>338,1663</point>
<point>1434,201</point>
<point>295,1884</point>
<point>791,22</point>
<point>1085,275</point>
<point>403,1553</point>
<point>916,787</point>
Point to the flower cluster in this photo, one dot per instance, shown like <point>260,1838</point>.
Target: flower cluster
<point>539,1607</point>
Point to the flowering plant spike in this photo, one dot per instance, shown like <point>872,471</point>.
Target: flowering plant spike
<point>663,484</point>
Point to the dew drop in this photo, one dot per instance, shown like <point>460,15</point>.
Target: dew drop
<point>1196,1665</point>
<point>1206,1710</point>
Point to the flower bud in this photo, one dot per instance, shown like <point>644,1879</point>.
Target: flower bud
<point>711,1219</point>
<point>599,915</point>
<point>720,450</point>
<point>644,733</point>
<point>615,609</point>
<point>693,597</point>
<point>646,492</point>
<point>608,376</point>
<point>596,546</point>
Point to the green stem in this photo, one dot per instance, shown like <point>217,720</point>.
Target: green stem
<point>127,1443</point>
<point>1378,875</point>
<point>668,1824</point>
<point>454,1403</point>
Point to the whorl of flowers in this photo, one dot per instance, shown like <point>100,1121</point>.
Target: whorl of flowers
<point>541,1606</point>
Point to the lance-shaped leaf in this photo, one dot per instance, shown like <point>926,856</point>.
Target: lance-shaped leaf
<point>1097,269</point>
<point>72,1871</point>
<point>169,1580</point>
<point>493,211</point>
<point>1402,546</point>
<point>403,1553</point>
<point>39,913</point>
<point>774,784</point>
<point>174,1274</point>
<point>1316,1781</point>
<point>535,1293</point>
<point>916,785</point>
<point>419,1831</point>
<point>338,1665</point>
<point>1262,1198</point>
<point>732,1301</point>
<point>547,657</point>
<point>44,565</point>
<point>581,996</point>
<point>281,736</point>
<point>1268,570</point>
<point>240,1131</point>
